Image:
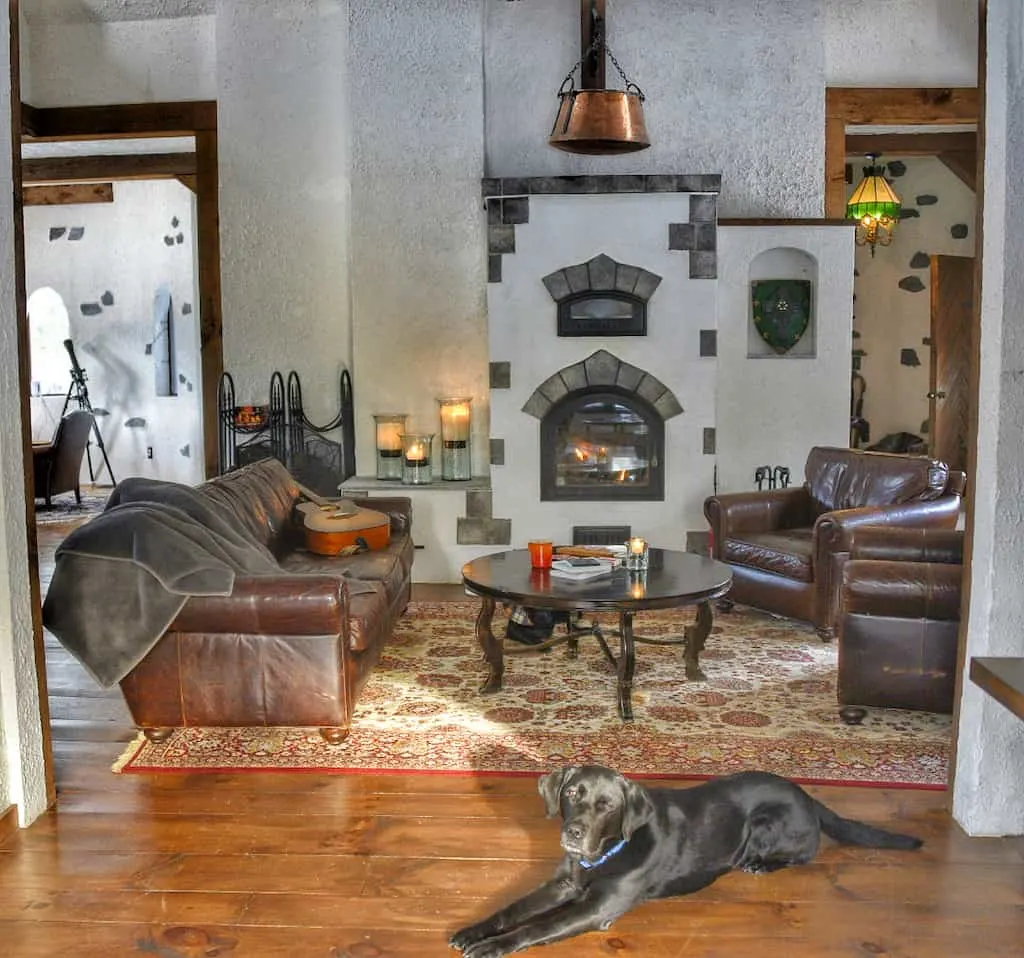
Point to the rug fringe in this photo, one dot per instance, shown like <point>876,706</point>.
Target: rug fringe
<point>128,754</point>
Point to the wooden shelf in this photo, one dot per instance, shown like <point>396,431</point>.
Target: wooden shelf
<point>1003,679</point>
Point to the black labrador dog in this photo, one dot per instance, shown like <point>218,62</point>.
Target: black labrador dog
<point>625,844</point>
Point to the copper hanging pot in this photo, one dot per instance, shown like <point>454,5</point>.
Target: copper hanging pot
<point>599,122</point>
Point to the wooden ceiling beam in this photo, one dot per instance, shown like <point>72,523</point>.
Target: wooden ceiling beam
<point>125,120</point>
<point>964,165</point>
<point>910,106</point>
<point>115,166</point>
<point>909,144</point>
<point>68,194</point>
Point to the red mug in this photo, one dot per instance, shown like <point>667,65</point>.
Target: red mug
<point>541,551</point>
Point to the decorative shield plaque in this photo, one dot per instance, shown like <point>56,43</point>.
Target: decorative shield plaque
<point>782,311</point>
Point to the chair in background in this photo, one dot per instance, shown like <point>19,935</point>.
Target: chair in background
<point>57,465</point>
<point>786,546</point>
<point>898,620</point>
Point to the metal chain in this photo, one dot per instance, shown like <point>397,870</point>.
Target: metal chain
<point>596,44</point>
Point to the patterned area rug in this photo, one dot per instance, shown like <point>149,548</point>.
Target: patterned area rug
<point>769,702</point>
<point>66,509</point>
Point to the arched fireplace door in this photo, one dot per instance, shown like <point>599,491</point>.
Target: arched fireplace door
<point>606,444</point>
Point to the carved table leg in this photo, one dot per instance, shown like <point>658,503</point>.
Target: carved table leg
<point>627,663</point>
<point>696,636</point>
<point>491,647</point>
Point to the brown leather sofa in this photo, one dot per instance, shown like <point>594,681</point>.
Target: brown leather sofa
<point>898,621</point>
<point>786,546</point>
<point>287,650</point>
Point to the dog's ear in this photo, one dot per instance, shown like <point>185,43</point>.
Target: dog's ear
<point>637,807</point>
<point>550,788</point>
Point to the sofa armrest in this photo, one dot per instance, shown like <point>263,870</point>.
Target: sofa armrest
<point>735,513</point>
<point>834,530</point>
<point>904,590</point>
<point>907,544</point>
<point>271,605</point>
<point>398,507</point>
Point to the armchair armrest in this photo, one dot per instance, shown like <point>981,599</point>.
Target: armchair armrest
<point>907,545</point>
<point>735,513</point>
<point>270,605</point>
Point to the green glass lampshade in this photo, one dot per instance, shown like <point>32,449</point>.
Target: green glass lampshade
<point>874,198</point>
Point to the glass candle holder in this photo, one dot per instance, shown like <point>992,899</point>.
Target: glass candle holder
<point>637,554</point>
<point>456,420</point>
<point>389,428</point>
<point>416,455</point>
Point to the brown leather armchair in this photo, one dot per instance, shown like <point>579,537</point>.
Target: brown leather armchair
<point>898,620</point>
<point>57,465</point>
<point>786,546</point>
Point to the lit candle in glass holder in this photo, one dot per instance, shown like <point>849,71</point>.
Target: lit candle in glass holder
<point>416,467</point>
<point>456,417</point>
<point>636,554</point>
<point>389,429</point>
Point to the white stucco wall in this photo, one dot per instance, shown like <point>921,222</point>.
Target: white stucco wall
<point>136,61</point>
<point>987,797</point>
<point>890,318</point>
<point>733,88</point>
<point>124,251</point>
<point>772,409</point>
<point>901,43</point>
<point>282,91</point>
<point>418,243</point>
<point>22,781</point>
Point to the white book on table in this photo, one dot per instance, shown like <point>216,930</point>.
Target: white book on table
<point>563,569</point>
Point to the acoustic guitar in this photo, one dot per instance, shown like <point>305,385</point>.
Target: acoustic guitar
<point>339,527</point>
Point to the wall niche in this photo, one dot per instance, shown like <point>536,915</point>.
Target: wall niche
<point>781,305</point>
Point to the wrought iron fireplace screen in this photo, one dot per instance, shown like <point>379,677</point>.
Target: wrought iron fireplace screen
<point>604,445</point>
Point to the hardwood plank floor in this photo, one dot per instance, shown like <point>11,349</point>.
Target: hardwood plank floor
<point>367,866</point>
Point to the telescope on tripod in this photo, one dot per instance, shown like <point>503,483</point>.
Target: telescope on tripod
<point>80,392</point>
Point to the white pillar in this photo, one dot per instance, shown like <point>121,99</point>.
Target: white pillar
<point>987,796</point>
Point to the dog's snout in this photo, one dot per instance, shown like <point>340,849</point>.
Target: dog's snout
<point>574,831</point>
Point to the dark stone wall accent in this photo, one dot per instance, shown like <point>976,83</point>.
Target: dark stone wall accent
<point>897,168</point>
<point>920,261</point>
<point>909,213</point>
<point>912,284</point>
<point>698,541</point>
<point>709,440</point>
<point>602,369</point>
<point>958,231</point>
<point>136,422</point>
<point>708,342</point>
<point>90,309</point>
<point>107,299</point>
<point>186,309</point>
<point>909,357</point>
<point>601,273</point>
<point>926,199</point>
<point>186,451</point>
<point>479,504</point>
<point>497,452</point>
<point>508,205</point>
<point>56,232</point>
<point>76,233</point>
<point>483,532</point>
<point>501,375</point>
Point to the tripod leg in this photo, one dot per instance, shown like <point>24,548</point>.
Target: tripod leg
<point>88,459</point>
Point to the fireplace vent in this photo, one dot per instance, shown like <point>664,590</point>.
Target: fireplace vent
<point>600,535</point>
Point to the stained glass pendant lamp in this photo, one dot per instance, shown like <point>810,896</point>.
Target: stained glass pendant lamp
<point>875,206</point>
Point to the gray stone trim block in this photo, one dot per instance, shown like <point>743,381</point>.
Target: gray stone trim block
<point>493,268</point>
<point>703,265</point>
<point>497,452</point>
<point>709,440</point>
<point>483,532</point>
<point>501,239</point>
<point>598,275</point>
<point>479,504</point>
<point>515,210</point>
<point>602,368</point>
<point>603,183</point>
<point>703,208</point>
<point>698,541</point>
<point>681,236</point>
<point>501,375</point>
<point>709,342</point>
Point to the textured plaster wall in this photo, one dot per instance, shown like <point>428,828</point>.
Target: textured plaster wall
<point>901,43</point>
<point>987,797</point>
<point>86,63</point>
<point>772,409</point>
<point>892,318</point>
<point>733,88</point>
<point>285,195</point>
<point>108,277</point>
<point>22,779</point>
<point>418,243</point>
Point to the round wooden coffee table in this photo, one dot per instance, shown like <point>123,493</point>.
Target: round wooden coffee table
<point>673,579</point>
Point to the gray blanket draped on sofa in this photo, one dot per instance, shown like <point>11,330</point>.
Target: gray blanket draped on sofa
<point>120,580</point>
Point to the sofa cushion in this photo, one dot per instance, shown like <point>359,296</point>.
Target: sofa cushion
<point>840,478</point>
<point>259,496</point>
<point>785,552</point>
<point>381,565</point>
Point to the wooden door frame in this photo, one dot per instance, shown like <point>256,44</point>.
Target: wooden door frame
<point>923,106</point>
<point>122,121</point>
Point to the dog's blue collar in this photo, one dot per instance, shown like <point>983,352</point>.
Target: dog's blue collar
<point>614,850</point>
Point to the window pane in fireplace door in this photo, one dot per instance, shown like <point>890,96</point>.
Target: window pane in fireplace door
<point>604,443</point>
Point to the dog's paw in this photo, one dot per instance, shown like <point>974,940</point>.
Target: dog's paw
<point>466,937</point>
<point>488,948</point>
